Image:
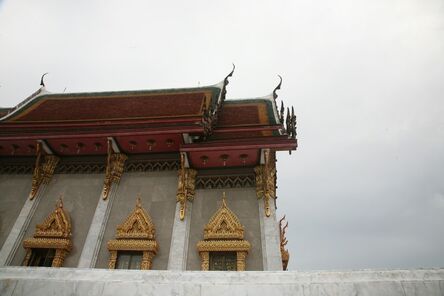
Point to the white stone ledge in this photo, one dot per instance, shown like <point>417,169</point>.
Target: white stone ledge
<point>78,281</point>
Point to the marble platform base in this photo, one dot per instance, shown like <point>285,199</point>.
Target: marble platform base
<point>77,281</point>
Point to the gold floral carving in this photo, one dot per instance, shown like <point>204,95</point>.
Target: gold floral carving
<point>266,181</point>
<point>284,252</point>
<point>186,186</point>
<point>53,233</point>
<point>223,233</point>
<point>137,233</point>
<point>43,171</point>
<point>114,168</point>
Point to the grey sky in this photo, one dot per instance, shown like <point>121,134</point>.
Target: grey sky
<point>366,187</point>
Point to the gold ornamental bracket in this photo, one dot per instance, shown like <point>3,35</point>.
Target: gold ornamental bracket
<point>223,233</point>
<point>114,168</point>
<point>53,233</point>
<point>137,233</point>
<point>266,180</point>
<point>283,242</point>
<point>44,168</point>
<point>186,187</point>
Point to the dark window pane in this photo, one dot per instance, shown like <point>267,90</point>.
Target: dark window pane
<point>49,257</point>
<point>136,261</point>
<point>129,260</point>
<point>42,257</point>
<point>224,261</point>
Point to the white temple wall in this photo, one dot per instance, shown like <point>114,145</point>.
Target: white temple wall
<point>158,194</point>
<point>82,191</point>
<point>40,281</point>
<point>80,194</point>
<point>14,190</point>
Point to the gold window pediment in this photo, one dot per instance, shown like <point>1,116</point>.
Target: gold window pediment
<point>224,225</point>
<point>223,233</point>
<point>138,225</point>
<point>137,233</point>
<point>53,233</point>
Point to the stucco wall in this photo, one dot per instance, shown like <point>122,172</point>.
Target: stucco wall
<point>80,195</point>
<point>243,202</point>
<point>67,281</point>
<point>158,193</point>
<point>14,189</point>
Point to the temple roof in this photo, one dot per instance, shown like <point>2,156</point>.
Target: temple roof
<point>198,121</point>
<point>119,105</point>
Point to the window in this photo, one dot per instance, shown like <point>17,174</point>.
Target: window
<point>42,257</point>
<point>129,260</point>
<point>223,261</point>
<point>223,246</point>
<point>51,241</point>
<point>135,244</point>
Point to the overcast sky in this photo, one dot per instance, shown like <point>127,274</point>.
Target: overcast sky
<point>365,189</point>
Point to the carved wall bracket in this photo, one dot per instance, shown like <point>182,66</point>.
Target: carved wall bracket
<point>223,233</point>
<point>53,233</point>
<point>266,181</point>
<point>284,252</point>
<point>43,170</point>
<point>137,233</point>
<point>186,187</point>
<point>114,169</point>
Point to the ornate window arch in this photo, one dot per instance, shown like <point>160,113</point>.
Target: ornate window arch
<point>53,234</point>
<point>223,233</point>
<point>137,234</point>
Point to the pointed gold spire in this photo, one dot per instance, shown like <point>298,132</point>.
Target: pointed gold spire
<point>139,200</point>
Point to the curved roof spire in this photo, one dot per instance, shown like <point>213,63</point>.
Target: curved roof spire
<point>224,87</point>
<point>42,83</point>
<point>277,87</point>
<point>229,74</point>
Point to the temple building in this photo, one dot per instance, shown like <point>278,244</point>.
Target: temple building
<point>170,179</point>
<point>125,193</point>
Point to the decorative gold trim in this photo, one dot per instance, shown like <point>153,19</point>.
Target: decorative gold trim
<point>53,233</point>
<point>186,186</point>
<point>284,252</point>
<point>224,225</point>
<point>137,233</point>
<point>43,172</point>
<point>266,181</point>
<point>132,245</point>
<point>223,245</point>
<point>224,232</point>
<point>114,168</point>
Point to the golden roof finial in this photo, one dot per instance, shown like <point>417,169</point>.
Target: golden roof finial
<point>59,203</point>
<point>139,200</point>
<point>224,204</point>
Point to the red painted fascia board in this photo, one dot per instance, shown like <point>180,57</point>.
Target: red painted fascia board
<point>247,128</point>
<point>113,133</point>
<point>279,144</point>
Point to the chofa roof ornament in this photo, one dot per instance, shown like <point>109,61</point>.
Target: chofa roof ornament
<point>211,113</point>
<point>226,82</point>
<point>277,87</point>
<point>42,82</point>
